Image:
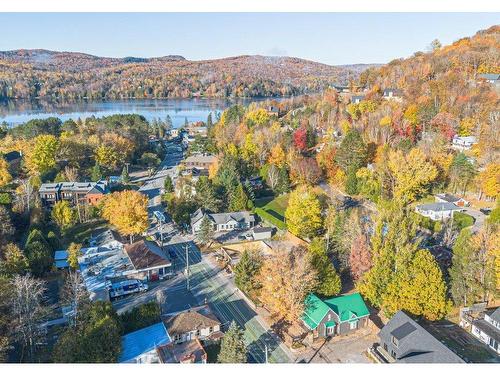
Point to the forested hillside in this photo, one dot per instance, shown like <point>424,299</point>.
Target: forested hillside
<point>67,75</point>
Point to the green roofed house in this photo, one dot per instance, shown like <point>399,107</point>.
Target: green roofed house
<point>335,316</point>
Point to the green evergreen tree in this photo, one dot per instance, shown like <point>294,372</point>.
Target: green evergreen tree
<point>98,340</point>
<point>329,283</point>
<point>233,348</point>
<point>206,232</point>
<point>238,200</point>
<point>125,176</point>
<point>352,153</point>
<point>168,185</point>
<point>96,173</point>
<point>464,286</point>
<point>209,121</point>
<point>351,183</point>
<point>246,271</point>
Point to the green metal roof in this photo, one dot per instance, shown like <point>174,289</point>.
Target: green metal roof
<point>315,311</point>
<point>330,324</point>
<point>349,307</point>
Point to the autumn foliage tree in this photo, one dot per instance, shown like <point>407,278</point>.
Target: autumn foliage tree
<point>127,211</point>
<point>360,259</point>
<point>286,278</point>
<point>303,214</point>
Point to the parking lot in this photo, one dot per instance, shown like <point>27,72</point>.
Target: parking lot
<point>234,236</point>
<point>341,349</point>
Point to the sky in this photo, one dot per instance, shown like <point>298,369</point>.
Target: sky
<point>330,38</point>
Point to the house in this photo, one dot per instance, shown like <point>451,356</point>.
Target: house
<point>61,259</point>
<point>74,192</point>
<point>148,260</point>
<point>488,329</point>
<point>341,88</point>
<point>393,94</point>
<point>402,340</point>
<point>335,316</point>
<point>187,352</point>
<point>262,233</point>
<point>437,211</point>
<point>202,161</point>
<point>449,198</point>
<point>255,182</point>
<point>224,221</point>
<point>196,323</point>
<point>356,99</point>
<point>492,78</point>
<point>463,143</point>
<point>141,346</point>
<point>273,110</point>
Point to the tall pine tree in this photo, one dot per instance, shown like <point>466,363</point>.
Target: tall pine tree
<point>233,348</point>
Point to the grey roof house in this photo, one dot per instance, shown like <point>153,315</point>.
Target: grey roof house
<point>402,340</point>
<point>224,221</point>
<point>438,210</point>
<point>488,329</point>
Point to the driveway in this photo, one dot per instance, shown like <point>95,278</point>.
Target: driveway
<point>342,349</point>
<point>478,216</point>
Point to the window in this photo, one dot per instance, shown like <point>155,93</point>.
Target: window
<point>211,329</point>
<point>395,341</point>
<point>330,330</point>
<point>353,325</point>
<point>393,354</point>
<point>385,346</point>
<point>198,332</point>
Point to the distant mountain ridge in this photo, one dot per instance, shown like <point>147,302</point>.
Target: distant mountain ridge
<point>74,75</point>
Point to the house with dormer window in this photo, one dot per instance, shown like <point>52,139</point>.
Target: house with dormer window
<point>335,316</point>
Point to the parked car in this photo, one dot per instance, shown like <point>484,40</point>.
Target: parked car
<point>485,211</point>
<point>242,237</point>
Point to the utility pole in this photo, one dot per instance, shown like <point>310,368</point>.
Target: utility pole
<point>267,359</point>
<point>187,266</point>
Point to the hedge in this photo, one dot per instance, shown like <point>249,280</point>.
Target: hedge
<point>461,220</point>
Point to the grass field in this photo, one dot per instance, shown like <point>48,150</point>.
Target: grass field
<point>81,232</point>
<point>273,209</point>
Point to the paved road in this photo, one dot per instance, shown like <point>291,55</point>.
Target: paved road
<point>208,283</point>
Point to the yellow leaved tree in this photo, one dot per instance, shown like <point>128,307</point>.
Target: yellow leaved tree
<point>127,211</point>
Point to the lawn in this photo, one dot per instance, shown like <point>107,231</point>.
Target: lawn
<point>81,232</point>
<point>272,209</point>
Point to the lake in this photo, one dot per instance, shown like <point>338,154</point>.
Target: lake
<point>16,112</point>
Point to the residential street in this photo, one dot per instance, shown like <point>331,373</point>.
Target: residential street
<point>209,283</point>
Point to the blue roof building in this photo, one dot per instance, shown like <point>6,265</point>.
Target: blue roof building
<point>140,346</point>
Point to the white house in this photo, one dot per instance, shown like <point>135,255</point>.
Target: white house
<point>196,323</point>
<point>393,94</point>
<point>224,221</point>
<point>488,330</point>
<point>437,211</point>
<point>463,143</point>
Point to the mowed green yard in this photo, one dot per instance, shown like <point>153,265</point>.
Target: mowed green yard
<point>272,209</point>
